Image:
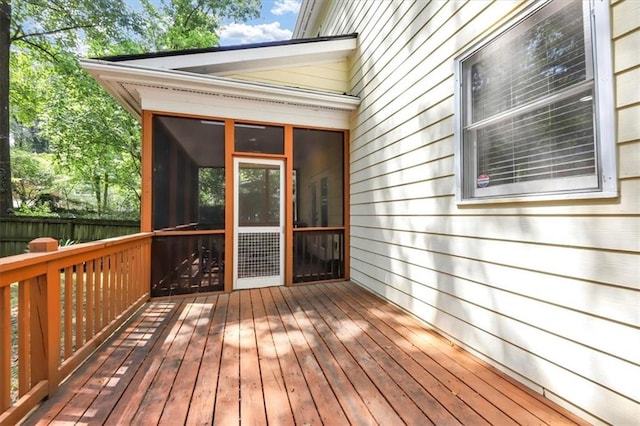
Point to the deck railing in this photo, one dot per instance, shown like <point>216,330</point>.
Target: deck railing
<point>57,306</point>
<point>318,254</point>
<point>188,261</point>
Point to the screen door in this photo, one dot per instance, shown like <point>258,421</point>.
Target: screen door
<point>258,222</point>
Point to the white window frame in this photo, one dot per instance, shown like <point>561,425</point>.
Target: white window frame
<point>605,183</point>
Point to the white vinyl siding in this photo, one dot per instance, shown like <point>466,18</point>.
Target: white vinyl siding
<point>547,291</point>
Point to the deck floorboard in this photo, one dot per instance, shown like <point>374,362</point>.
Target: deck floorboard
<point>310,354</point>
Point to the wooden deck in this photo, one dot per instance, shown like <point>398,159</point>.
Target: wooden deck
<point>307,355</point>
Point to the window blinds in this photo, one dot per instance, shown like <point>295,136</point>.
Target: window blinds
<point>530,103</point>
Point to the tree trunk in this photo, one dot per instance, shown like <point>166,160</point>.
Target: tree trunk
<point>6,203</point>
<point>106,193</point>
<point>97,190</point>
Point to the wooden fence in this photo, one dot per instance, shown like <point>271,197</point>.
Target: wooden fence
<point>56,307</point>
<point>16,232</point>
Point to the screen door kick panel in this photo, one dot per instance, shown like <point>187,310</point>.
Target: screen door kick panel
<point>259,223</point>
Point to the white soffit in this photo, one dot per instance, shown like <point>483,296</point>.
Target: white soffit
<point>238,60</point>
<point>184,92</point>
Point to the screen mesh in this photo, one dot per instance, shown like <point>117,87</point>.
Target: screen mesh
<point>258,254</point>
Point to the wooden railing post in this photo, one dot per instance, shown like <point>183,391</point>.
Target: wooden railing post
<point>45,319</point>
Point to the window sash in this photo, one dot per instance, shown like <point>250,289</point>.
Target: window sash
<point>508,44</point>
<point>583,154</point>
<point>526,148</point>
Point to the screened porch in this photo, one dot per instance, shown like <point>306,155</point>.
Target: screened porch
<point>239,205</point>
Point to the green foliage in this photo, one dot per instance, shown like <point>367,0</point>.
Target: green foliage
<point>48,27</point>
<point>32,177</point>
<point>94,140</point>
<point>35,211</point>
<point>28,138</point>
<point>211,186</point>
<point>184,24</point>
<point>64,242</point>
<point>28,82</point>
<point>58,108</point>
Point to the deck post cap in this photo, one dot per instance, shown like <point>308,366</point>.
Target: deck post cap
<point>43,244</point>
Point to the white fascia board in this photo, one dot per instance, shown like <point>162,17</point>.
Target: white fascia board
<point>125,82</point>
<point>252,59</point>
<point>125,98</point>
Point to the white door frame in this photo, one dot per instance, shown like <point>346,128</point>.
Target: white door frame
<point>238,231</point>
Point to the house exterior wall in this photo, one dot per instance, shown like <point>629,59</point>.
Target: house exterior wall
<point>330,77</point>
<point>547,291</point>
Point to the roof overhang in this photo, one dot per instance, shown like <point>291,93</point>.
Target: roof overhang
<point>194,82</point>
<point>236,59</point>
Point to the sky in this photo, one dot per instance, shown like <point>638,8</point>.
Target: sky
<point>276,22</point>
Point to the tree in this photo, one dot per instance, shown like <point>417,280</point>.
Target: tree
<point>33,177</point>
<point>44,28</point>
<point>184,24</point>
<point>5,160</point>
<point>92,138</point>
<point>29,81</point>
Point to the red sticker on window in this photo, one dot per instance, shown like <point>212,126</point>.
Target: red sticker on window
<point>483,181</point>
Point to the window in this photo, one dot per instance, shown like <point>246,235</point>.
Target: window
<point>535,108</point>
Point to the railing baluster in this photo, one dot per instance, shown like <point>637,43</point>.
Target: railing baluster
<point>196,280</point>
<point>68,311</point>
<point>90,320</point>
<point>80,294</point>
<point>37,316</point>
<point>111,289</point>
<point>128,284</point>
<point>97,292</point>
<point>137,275</point>
<point>5,347</point>
<point>124,279</point>
<point>106,296</point>
<point>318,254</point>
<point>51,327</point>
<point>24,337</point>
<point>116,275</point>
<point>331,266</point>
